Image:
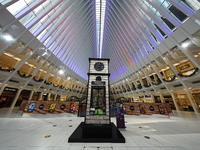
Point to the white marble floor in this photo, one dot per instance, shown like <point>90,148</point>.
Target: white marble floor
<point>28,132</point>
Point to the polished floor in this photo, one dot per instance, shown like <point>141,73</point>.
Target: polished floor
<point>51,132</point>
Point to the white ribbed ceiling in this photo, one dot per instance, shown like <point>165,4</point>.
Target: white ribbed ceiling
<point>74,30</point>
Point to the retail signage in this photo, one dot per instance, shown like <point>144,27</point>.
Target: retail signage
<point>31,107</point>
<point>120,115</point>
<point>62,107</point>
<point>10,89</point>
<point>184,67</point>
<point>98,83</point>
<point>161,109</point>
<point>72,107</point>
<point>151,108</point>
<point>52,107</point>
<point>41,106</point>
<point>132,108</point>
<point>142,109</point>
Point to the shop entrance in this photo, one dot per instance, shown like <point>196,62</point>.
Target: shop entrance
<point>24,95</point>
<point>7,97</point>
<point>168,99</point>
<point>196,97</point>
<point>183,101</point>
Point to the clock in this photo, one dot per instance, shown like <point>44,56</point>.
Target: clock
<point>98,66</point>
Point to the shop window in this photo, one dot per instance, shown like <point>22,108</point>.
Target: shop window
<point>196,97</point>
<point>157,99</point>
<point>168,99</point>
<point>183,101</point>
<point>35,96</point>
<point>7,97</point>
<point>169,74</point>
<point>24,95</point>
<point>185,68</point>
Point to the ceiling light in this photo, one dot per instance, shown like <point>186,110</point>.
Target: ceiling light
<point>183,61</point>
<point>17,58</point>
<point>8,37</point>
<point>8,54</point>
<point>61,72</point>
<point>190,88</point>
<point>185,44</point>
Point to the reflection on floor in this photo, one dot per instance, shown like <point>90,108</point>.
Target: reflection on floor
<point>51,132</point>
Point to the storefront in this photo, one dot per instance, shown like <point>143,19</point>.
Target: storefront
<point>52,97</point>
<point>185,68</point>
<point>146,99</point>
<point>7,97</point>
<point>35,96</point>
<point>24,95</point>
<point>168,99</point>
<point>157,99</point>
<point>136,99</point>
<point>169,74</point>
<point>44,97</point>
<point>196,97</point>
<point>57,97</point>
<point>183,101</point>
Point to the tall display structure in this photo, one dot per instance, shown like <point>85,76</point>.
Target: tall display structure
<point>97,126</point>
<point>97,111</point>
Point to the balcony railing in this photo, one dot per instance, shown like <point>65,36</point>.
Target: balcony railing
<point>36,79</point>
<point>192,72</point>
<point>23,74</point>
<point>172,78</point>
<point>6,68</point>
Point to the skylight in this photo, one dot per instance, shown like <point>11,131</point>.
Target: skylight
<point>100,16</point>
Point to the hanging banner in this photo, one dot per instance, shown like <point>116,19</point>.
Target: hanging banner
<point>31,107</point>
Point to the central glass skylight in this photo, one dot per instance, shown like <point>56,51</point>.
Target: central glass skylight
<point>100,16</point>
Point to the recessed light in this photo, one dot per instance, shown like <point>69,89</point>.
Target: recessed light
<point>8,37</point>
<point>185,44</point>
<point>61,71</point>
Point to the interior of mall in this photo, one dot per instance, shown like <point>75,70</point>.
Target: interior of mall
<point>153,47</point>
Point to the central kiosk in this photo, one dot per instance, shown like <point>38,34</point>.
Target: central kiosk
<point>97,126</point>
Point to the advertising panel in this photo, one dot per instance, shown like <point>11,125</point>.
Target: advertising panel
<point>120,115</point>
<point>31,107</point>
<point>52,107</point>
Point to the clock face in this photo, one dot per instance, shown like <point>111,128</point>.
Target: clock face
<point>98,66</point>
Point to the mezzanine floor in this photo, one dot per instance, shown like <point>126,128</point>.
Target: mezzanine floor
<point>27,132</point>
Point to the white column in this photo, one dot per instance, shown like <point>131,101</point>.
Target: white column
<point>55,97</point>
<point>31,95</point>
<point>175,103</point>
<point>29,71</point>
<point>162,98</point>
<point>15,99</point>
<point>40,96</point>
<point>194,105</point>
<point>2,88</point>
<point>153,99</point>
<point>48,96</point>
<point>14,65</point>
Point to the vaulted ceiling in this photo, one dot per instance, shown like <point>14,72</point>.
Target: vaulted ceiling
<point>74,30</point>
